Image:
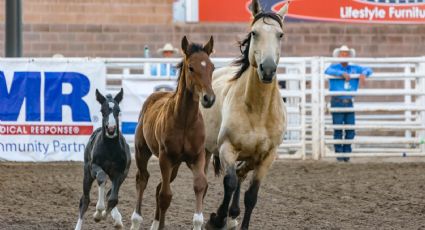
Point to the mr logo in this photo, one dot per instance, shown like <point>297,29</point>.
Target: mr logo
<point>27,85</point>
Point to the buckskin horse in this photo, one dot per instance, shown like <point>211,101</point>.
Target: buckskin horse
<point>248,121</point>
<point>107,154</point>
<point>171,127</point>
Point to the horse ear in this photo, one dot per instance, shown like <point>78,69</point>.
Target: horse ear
<point>284,10</point>
<point>99,97</point>
<point>208,48</point>
<point>255,7</point>
<point>119,96</point>
<point>185,45</point>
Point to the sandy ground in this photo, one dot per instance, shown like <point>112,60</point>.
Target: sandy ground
<point>295,195</point>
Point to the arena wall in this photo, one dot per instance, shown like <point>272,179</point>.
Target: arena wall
<point>123,28</point>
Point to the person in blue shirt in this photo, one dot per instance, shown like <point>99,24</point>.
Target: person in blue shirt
<point>345,83</point>
<point>167,52</point>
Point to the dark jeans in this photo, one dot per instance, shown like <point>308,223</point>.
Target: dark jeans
<point>346,118</point>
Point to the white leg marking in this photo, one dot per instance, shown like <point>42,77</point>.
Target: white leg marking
<point>100,206</point>
<point>116,215</point>
<point>198,220</point>
<point>136,221</point>
<point>232,223</point>
<point>79,223</point>
<point>155,225</point>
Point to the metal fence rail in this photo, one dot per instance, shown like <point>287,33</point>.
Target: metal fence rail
<point>398,126</point>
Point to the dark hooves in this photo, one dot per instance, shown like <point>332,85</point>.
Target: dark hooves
<point>213,225</point>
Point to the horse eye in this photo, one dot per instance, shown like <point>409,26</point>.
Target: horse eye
<point>253,33</point>
<point>191,69</point>
<point>281,35</point>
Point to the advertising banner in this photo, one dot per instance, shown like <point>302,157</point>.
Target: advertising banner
<point>360,11</point>
<point>135,94</point>
<point>48,107</point>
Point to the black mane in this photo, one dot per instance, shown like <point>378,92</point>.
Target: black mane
<point>243,60</point>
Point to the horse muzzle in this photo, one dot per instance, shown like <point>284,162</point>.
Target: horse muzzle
<point>267,70</point>
<point>208,100</point>
<point>111,131</point>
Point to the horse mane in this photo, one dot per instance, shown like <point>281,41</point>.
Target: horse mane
<point>244,45</point>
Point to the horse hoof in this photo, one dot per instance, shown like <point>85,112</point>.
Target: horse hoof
<point>136,221</point>
<point>118,225</point>
<point>209,226</point>
<point>212,223</point>
<point>232,224</point>
<point>97,216</point>
<point>104,214</point>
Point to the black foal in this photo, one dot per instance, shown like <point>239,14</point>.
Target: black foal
<point>107,155</point>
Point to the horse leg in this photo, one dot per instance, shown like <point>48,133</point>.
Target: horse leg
<point>112,195</point>
<point>164,194</point>
<point>228,156</point>
<point>234,211</point>
<point>100,175</point>
<point>85,198</point>
<point>200,186</point>
<point>251,194</point>
<point>100,206</point>
<point>113,201</point>
<point>143,155</point>
<point>155,223</point>
<point>207,161</point>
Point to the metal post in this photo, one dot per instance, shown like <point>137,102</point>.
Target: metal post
<point>303,109</point>
<point>315,109</point>
<point>421,100</point>
<point>407,100</point>
<point>192,11</point>
<point>293,118</point>
<point>322,107</point>
<point>13,44</point>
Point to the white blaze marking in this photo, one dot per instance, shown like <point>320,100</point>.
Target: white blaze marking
<point>203,63</point>
<point>111,120</point>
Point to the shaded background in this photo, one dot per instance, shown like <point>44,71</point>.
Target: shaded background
<point>122,29</point>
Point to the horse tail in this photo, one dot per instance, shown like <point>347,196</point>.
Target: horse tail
<point>217,165</point>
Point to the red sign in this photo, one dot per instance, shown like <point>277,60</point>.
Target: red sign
<point>362,11</point>
<point>45,129</point>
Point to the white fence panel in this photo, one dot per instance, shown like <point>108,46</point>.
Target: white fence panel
<point>134,74</point>
<point>385,127</point>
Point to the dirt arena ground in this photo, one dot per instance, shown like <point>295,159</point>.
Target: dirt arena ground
<point>295,195</point>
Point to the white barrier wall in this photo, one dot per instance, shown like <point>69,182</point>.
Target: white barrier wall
<point>48,107</point>
<point>390,120</point>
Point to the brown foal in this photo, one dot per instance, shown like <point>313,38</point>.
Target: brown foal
<point>171,127</point>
